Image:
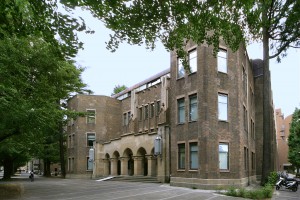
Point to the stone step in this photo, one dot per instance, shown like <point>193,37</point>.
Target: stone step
<point>144,179</point>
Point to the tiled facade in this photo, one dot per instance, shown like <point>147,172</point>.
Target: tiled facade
<point>205,118</point>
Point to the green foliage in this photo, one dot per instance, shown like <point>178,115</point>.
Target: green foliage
<point>43,19</point>
<point>34,80</point>
<point>118,89</point>
<point>294,140</point>
<point>272,178</point>
<point>232,191</point>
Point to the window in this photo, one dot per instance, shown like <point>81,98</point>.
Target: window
<point>146,112</point>
<point>222,61</point>
<point>180,68</point>
<point>89,164</point>
<point>244,81</point>
<point>181,111</point>
<point>140,114</point>
<point>70,141</point>
<point>253,160</point>
<point>223,156</point>
<point>193,156</point>
<point>222,106</point>
<point>124,119</point>
<point>91,116</point>
<point>193,61</point>
<point>246,158</point>
<point>90,139</point>
<point>181,156</point>
<point>128,117</point>
<point>152,108</point>
<point>193,115</point>
<point>245,119</point>
<point>157,108</point>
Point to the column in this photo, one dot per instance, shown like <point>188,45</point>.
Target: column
<point>124,166</point>
<point>106,167</point>
<point>151,165</point>
<point>114,166</point>
<point>138,166</point>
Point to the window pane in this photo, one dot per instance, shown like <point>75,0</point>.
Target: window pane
<point>91,116</point>
<point>222,61</point>
<point>223,156</point>
<point>193,108</point>
<point>180,69</point>
<point>181,111</point>
<point>90,139</point>
<point>157,108</point>
<point>222,106</point>
<point>193,61</point>
<point>146,112</point>
<point>181,156</point>
<point>194,156</point>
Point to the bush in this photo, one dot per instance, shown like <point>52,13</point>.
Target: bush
<point>272,178</point>
<point>11,190</point>
<point>232,191</point>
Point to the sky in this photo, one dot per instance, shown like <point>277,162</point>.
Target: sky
<point>130,65</point>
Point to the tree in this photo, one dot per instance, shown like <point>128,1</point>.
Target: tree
<point>294,140</point>
<point>34,81</point>
<point>118,89</point>
<point>273,22</point>
<point>44,19</point>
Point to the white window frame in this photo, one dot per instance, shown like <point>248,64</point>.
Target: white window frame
<point>222,57</point>
<point>193,60</point>
<point>224,153</point>
<point>222,114</point>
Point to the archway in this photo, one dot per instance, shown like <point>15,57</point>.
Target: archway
<point>107,165</point>
<point>142,162</point>
<point>128,162</point>
<point>116,164</point>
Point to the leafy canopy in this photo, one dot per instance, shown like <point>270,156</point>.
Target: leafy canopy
<point>42,18</point>
<point>33,80</point>
<point>294,140</point>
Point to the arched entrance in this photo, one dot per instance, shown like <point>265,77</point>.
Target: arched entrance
<point>115,164</point>
<point>141,162</point>
<point>107,165</point>
<point>127,163</point>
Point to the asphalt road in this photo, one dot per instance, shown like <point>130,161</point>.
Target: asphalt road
<point>83,189</point>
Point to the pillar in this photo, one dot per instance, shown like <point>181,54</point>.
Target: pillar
<point>114,166</point>
<point>106,167</point>
<point>124,166</point>
<point>138,166</point>
<point>151,165</point>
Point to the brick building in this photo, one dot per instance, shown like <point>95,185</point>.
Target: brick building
<point>206,121</point>
<point>282,135</point>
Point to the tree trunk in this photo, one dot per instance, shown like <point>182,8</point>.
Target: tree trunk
<point>8,168</point>
<point>266,166</point>
<point>47,171</point>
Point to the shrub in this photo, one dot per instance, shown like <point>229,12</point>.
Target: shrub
<point>231,192</point>
<point>272,178</point>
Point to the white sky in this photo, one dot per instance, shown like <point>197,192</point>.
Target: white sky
<point>132,64</point>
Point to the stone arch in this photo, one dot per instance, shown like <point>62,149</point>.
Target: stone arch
<point>115,163</point>
<point>107,165</point>
<point>141,162</point>
<point>127,162</point>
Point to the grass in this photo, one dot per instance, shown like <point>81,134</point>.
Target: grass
<point>11,190</point>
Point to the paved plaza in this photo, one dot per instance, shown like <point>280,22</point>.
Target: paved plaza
<point>64,189</point>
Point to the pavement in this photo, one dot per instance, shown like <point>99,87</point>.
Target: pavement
<point>87,189</point>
